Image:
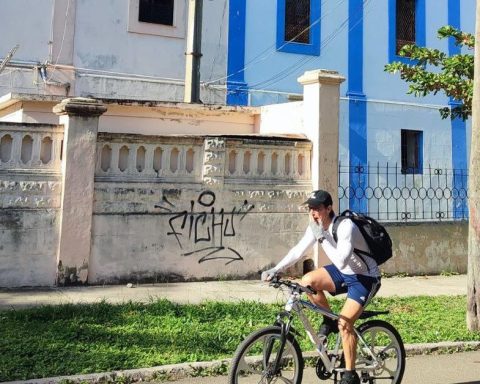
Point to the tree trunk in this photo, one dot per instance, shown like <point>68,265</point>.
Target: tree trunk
<point>473,284</point>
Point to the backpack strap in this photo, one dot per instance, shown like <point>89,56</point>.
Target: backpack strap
<point>346,215</point>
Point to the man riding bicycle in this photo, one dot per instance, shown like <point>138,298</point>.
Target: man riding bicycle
<point>358,276</point>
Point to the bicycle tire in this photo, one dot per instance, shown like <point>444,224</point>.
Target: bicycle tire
<point>255,355</point>
<point>384,339</point>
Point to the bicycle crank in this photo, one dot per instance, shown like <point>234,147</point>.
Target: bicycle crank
<point>321,370</point>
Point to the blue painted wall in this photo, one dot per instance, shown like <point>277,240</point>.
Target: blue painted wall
<point>236,86</point>
<point>356,40</point>
<point>459,139</point>
<point>357,126</point>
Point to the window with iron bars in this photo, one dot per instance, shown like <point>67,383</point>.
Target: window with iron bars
<point>297,21</point>
<point>156,11</point>
<point>405,24</point>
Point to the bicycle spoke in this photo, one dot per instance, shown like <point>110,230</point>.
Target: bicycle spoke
<point>247,368</point>
<point>389,346</point>
<point>256,362</point>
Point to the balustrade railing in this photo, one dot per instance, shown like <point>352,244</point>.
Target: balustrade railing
<point>210,159</point>
<point>283,161</point>
<point>34,147</point>
<point>135,156</point>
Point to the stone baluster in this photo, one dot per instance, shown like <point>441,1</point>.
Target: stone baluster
<point>254,163</point>
<point>132,160</point>
<point>281,163</point>
<point>57,151</point>
<point>98,159</point>
<point>197,169</point>
<point>150,150</point>
<point>240,160</point>
<point>267,163</point>
<point>295,173</point>
<point>17,148</point>
<point>114,168</point>
<point>36,148</point>
<point>182,161</point>
<point>164,162</point>
<point>167,157</point>
<point>308,165</point>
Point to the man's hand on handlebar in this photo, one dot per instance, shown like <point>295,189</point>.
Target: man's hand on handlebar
<point>269,274</point>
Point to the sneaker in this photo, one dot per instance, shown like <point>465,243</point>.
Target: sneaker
<point>328,326</point>
<point>350,377</point>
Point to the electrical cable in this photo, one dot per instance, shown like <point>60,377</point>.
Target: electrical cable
<point>61,44</point>
<point>220,35</point>
<point>302,61</point>
<point>270,51</point>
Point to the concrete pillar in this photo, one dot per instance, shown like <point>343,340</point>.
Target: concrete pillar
<point>321,107</point>
<point>79,117</point>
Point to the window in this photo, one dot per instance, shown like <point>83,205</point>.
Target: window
<point>298,26</point>
<point>297,21</point>
<point>156,11</point>
<point>406,26</point>
<point>405,29</point>
<point>158,17</point>
<point>412,151</point>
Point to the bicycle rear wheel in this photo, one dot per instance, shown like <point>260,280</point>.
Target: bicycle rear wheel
<point>254,359</point>
<point>387,345</point>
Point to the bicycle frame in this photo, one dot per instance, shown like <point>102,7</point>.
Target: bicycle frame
<point>296,305</point>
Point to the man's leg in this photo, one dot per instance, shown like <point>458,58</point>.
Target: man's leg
<point>351,311</point>
<point>320,280</point>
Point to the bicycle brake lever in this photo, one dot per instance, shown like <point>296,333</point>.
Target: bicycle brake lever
<point>310,290</point>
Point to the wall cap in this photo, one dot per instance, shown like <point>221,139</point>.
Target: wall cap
<point>321,76</point>
<point>80,106</point>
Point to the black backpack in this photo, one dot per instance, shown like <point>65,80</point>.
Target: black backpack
<point>374,233</point>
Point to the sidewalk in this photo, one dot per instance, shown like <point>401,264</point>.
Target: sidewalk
<point>213,290</point>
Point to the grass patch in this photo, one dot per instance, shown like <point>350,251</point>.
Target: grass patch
<point>86,338</point>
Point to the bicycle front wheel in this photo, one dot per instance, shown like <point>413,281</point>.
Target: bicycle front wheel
<point>383,340</point>
<point>255,358</point>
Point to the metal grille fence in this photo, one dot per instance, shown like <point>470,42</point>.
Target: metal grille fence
<point>384,193</point>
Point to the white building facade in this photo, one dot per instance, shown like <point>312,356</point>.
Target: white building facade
<point>120,49</point>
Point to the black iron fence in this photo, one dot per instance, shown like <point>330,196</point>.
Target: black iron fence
<point>386,193</point>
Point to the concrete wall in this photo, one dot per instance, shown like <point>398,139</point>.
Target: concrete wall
<point>175,207</point>
<point>428,248</point>
<point>240,232</point>
<point>30,185</point>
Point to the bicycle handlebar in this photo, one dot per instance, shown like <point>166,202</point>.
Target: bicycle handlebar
<point>276,282</point>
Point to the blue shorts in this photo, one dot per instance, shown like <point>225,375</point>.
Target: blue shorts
<point>360,288</point>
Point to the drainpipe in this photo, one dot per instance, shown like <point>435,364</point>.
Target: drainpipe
<point>193,53</point>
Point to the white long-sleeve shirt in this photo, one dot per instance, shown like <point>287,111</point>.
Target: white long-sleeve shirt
<point>340,253</point>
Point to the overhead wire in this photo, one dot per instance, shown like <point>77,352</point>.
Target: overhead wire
<point>272,49</point>
<point>220,35</point>
<point>296,66</point>
<point>62,42</point>
<point>302,61</point>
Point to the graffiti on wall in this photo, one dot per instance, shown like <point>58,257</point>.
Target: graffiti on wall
<point>205,229</point>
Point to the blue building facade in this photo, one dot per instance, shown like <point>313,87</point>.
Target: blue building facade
<point>276,41</point>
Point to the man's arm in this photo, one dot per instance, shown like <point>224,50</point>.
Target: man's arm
<point>343,249</point>
<point>293,256</point>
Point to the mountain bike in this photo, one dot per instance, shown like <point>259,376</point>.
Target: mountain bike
<point>273,353</point>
